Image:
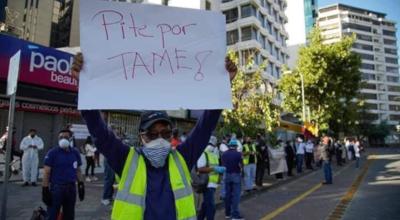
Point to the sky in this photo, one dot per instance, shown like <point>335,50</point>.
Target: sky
<point>390,7</point>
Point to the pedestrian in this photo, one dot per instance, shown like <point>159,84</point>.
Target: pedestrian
<point>209,163</point>
<point>249,162</point>
<point>349,148</point>
<point>161,175</point>
<point>290,155</point>
<point>338,152</point>
<point>30,145</point>
<point>15,151</point>
<point>326,163</point>
<point>175,138</point>
<point>309,153</point>
<point>300,150</point>
<point>62,169</point>
<point>357,153</point>
<point>90,150</point>
<point>108,186</point>
<point>262,160</point>
<point>232,160</point>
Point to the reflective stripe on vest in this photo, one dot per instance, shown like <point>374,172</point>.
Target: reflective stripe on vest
<point>246,148</point>
<point>213,161</point>
<point>130,200</point>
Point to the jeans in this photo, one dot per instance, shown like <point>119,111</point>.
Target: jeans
<point>222,190</point>
<point>249,176</point>
<point>108,189</point>
<point>207,210</point>
<point>357,162</point>
<point>62,196</point>
<point>89,165</point>
<point>327,171</point>
<point>309,157</point>
<point>232,194</point>
<point>299,162</point>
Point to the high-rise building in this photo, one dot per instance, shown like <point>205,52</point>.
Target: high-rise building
<point>302,15</point>
<point>47,22</point>
<point>376,44</point>
<point>256,29</point>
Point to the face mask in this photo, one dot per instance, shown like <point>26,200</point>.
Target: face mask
<point>156,151</point>
<point>63,143</point>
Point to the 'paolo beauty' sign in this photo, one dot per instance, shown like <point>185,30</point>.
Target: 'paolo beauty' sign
<point>40,65</point>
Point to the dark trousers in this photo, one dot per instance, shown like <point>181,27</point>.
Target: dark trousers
<point>290,163</point>
<point>309,157</point>
<point>89,164</point>
<point>207,210</point>
<point>232,194</point>
<point>327,171</point>
<point>299,162</point>
<point>63,196</point>
<point>260,170</point>
<point>339,157</point>
<point>109,178</point>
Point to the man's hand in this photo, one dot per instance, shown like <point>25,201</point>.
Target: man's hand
<point>231,67</point>
<point>77,65</point>
<point>46,196</point>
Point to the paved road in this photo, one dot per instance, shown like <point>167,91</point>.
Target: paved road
<point>377,197</point>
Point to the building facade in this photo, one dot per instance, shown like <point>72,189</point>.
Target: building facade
<point>376,44</point>
<point>302,15</point>
<point>256,31</point>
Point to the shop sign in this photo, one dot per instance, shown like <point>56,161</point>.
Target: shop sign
<point>37,107</point>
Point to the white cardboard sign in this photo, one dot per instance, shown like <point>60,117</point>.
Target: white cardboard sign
<point>141,56</point>
<point>13,73</point>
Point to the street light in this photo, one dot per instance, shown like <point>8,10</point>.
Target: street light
<point>302,94</point>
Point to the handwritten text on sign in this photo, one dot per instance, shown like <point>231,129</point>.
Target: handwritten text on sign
<point>152,57</point>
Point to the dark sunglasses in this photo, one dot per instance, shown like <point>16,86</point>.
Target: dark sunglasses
<point>166,134</point>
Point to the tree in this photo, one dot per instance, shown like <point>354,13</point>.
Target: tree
<point>253,108</point>
<point>331,79</point>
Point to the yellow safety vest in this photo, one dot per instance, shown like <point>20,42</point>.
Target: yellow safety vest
<point>213,160</point>
<point>247,148</point>
<point>130,201</point>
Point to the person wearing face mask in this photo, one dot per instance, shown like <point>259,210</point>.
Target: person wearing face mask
<point>30,145</point>
<point>62,170</point>
<point>154,178</point>
<point>209,163</point>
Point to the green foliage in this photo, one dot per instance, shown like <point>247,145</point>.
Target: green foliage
<point>253,109</point>
<point>331,79</point>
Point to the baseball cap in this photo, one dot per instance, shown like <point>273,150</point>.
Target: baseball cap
<point>233,143</point>
<point>148,118</point>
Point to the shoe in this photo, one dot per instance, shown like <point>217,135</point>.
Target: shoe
<point>105,202</point>
<point>238,218</point>
<point>93,178</point>
<point>326,183</point>
<point>227,217</point>
<point>34,184</point>
<point>88,179</point>
<point>26,184</point>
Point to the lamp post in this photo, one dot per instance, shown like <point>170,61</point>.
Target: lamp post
<point>302,97</point>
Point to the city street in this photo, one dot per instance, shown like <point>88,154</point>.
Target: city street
<point>294,198</point>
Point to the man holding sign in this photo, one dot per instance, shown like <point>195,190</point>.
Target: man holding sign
<point>154,180</point>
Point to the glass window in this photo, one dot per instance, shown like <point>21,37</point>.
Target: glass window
<point>392,69</point>
<point>389,42</point>
<point>394,89</point>
<point>356,27</point>
<point>366,56</point>
<point>393,97</point>
<point>367,66</point>
<point>368,86</point>
<point>394,117</point>
<point>232,37</point>
<point>391,51</point>
<point>367,76</point>
<point>262,41</point>
<point>389,33</point>
<point>248,10</point>
<point>261,18</point>
<point>392,78</point>
<point>369,96</point>
<point>391,60</point>
<point>231,15</point>
<point>362,46</point>
<point>394,107</point>
<point>249,33</point>
<point>268,26</point>
<point>364,37</point>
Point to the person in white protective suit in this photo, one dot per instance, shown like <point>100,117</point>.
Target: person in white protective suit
<point>31,145</point>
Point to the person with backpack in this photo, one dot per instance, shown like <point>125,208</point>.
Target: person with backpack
<point>209,163</point>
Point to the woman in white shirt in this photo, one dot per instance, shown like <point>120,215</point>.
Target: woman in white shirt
<point>90,150</point>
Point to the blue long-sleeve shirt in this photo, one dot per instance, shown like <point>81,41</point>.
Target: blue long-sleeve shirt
<point>160,202</point>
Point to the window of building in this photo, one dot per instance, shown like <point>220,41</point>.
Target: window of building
<point>268,26</point>
<point>389,42</point>
<point>389,33</point>
<point>371,106</point>
<point>356,27</point>
<point>393,97</point>
<point>362,46</point>
<point>261,18</point>
<point>208,5</point>
<point>248,10</point>
<point>367,76</point>
<point>276,33</point>
<point>390,69</point>
<point>249,33</point>
<point>262,40</point>
<point>268,46</point>
<point>391,51</point>
<point>392,78</point>
<point>231,15</point>
<point>369,96</point>
<point>232,37</point>
<point>270,68</point>
<point>225,1</point>
<point>394,117</point>
<point>268,6</point>
<point>364,37</point>
<point>249,56</point>
<point>366,56</point>
<point>368,86</point>
<point>394,107</point>
<point>391,60</point>
<point>394,89</point>
<point>277,72</point>
<point>276,54</point>
<point>367,66</point>
<point>275,15</point>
